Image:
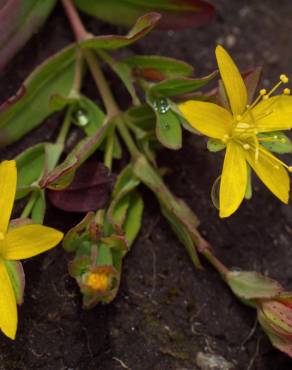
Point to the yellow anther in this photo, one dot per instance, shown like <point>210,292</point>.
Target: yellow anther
<point>286,91</point>
<point>263,92</point>
<point>284,79</point>
<point>225,138</point>
<point>289,168</point>
<point>246,146</point>
<point>243,125</point>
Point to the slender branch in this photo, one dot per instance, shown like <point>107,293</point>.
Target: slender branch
<point>75,21</point>
<point>101,83</point>
<point>29,205</point>
<point>65,127</point>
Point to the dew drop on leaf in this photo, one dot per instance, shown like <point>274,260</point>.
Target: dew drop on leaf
<point>81,117</point>
<point>161,105</point>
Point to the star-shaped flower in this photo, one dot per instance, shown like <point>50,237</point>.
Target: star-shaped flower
<point>15,244</point>
<point>238,127</point>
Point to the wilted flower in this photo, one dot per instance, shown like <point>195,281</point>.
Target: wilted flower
<point>238,128</point>
<point>273,305</point>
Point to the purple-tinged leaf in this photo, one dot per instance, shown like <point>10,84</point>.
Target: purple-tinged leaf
<point>89,191</point>
<point>19,20</point>
<point>176,14</point>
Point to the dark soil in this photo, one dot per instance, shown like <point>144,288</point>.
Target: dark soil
<point>166,311</point>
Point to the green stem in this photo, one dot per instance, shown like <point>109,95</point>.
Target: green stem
<point>101,83</point>
<point>213,260</point>
<point>65,127</point>
<point>114,112</point>
<point>108,154</point>
<point>29,205</point>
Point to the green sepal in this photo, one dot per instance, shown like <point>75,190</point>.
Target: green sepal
<point>17,278</point>
<point>281,145</point>
<point>215,145</point>
<point>39,208</point>
<point>78,234</point>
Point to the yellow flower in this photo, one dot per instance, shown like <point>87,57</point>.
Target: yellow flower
<point>15,244</point>
<point>238,127</point>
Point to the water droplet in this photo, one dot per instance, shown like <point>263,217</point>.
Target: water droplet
<point>81,117</point>
<point>161,105</point>
<point>215,192</point>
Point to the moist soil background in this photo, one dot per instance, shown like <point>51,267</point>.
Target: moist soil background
<point>166,311</point>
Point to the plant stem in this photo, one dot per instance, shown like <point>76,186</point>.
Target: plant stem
<point>65,127</point>
<point>29,205</point>
<point>75,21</point>
<point>113,112</point>
<point>206,250</point>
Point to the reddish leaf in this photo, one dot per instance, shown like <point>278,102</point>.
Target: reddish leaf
<point>89,191</point>
<point>176,14</point>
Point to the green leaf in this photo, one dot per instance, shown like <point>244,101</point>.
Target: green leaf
<point>33,163</point>
<point>252,285</point>
<point>168,130</point>
<point>280,143</point>
<point>17,278</point>
<point>19,20</point>
<point>215,145</point>
<point>125,184</point>
<point>111,42</point>
<point>30,106</point>
<point>175,13</point>
<point>152,67</point>
<point>133,220</point>
<point>179,86</point>
<point>168,125</point>
<point>30,164</point>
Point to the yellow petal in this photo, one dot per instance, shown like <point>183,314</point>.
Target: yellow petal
<point>273,114</point>
<point>233,180</point>
<point>8,309</point>
<point>233,82</point>
<point>8,178</point>
<point>208,118</point>
<point>271,172</point>
<point>29,240</point>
